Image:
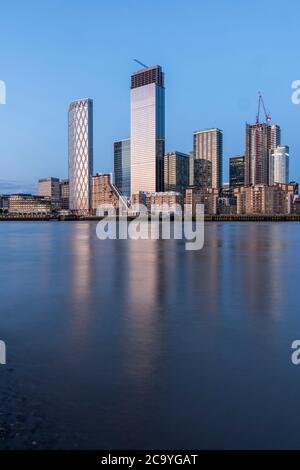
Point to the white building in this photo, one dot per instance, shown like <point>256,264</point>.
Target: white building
<point>80,155</point>
<point>147,130</point>
<point>279,165</point>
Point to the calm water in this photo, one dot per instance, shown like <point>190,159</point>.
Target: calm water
<point>141,344</point>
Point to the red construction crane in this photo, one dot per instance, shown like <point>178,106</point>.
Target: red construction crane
<point>261,104</point>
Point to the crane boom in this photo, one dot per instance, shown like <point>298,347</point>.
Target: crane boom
<point>261,104</point>
<point>140,63</point>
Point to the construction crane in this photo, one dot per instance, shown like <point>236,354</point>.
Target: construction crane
<point>261,104</point>
<point>140,63</point>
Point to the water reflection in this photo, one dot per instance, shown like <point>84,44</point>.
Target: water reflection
<point>152,345</point>
<point>255,260</point>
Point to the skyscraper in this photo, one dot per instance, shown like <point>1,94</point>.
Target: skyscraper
<point>279,165</point>
<point>80,155</point>
<point>147,130</point>
<point>176,171</point>
<point>260,139</point>
<point>122,166</point>
<point>237,171</point>
<point>208,145</point>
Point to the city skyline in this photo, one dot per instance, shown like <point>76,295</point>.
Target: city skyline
<point>266,166</point>
<point>208,101</point>
<point>141,161</point>
<point>224,160</point>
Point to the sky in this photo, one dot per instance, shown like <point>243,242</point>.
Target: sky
<point>216,57</point>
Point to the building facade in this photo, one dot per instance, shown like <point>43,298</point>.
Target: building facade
<point>49,187</point>
<point>202,173</point>
<point>106,196</point>
<point>64,194</point>
<point>208,197</point>
<point>176,171</point>
<point>279,165</point>
<point>27,204</point>
<point>265,199</point>
<point>191,168</point>
<point>122,166</point>
<point>80,155</point>
<point>261,138</point>
<point>208,145</point>
<point>166,202</point>
<point>237,171</point>
<point>4,202</point>
<point>147,105</point>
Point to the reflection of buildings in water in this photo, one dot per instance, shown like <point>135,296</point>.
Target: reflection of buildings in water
<point>257,262</point>
<point>147,291</point>
<point>81,250</point>
<point>45,245</point>
<point>81,274</point>
<point>201,279</point>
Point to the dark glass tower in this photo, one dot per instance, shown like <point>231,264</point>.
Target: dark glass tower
<point>237,171</point>
<point>122,166</point>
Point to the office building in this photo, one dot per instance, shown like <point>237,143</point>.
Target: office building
<point>4,202</point>
<point>176,171</point>
<point>279,165</point>
<point>122,166</point>
<point>202,173</point>
<point>147,130</point>
<point>261,138</point>
<point>27,204</point>
<point>208,145</point>
<point>236,171</point>
<point>49,187</point>
<point>64,194</point>
<point>80,155</point>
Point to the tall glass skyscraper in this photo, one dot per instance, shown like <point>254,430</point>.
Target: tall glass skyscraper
<point>80,155</point>
<point>122,166</point>
<point>208,145</point>
<point>147,130</point>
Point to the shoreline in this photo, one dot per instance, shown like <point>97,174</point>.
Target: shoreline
<point>207,218</point>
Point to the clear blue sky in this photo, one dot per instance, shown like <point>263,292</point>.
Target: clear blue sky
<point>216,56</point>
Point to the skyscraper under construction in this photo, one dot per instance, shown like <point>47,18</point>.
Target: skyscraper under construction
<point>261,138</point>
